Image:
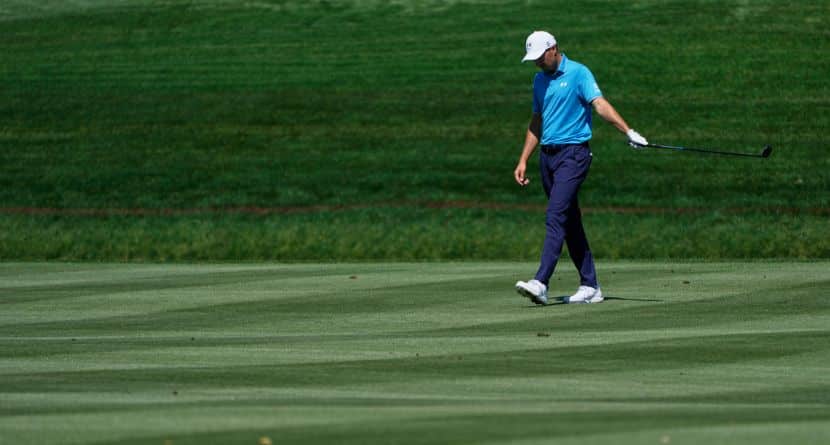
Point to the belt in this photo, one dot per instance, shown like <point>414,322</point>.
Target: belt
<point>550,149</point>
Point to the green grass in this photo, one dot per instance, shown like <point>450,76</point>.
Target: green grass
<point>215,104</point>
<point>686,353</point>
<point>405,234</point>
<point>189,104</point>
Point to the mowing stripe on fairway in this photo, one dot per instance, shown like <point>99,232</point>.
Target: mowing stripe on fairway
<point>412,353</point>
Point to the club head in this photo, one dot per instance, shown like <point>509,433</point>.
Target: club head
<point>767,151</point>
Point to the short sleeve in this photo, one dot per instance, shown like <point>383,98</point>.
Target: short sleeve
<point>588,87</point>
<point>537,101</point>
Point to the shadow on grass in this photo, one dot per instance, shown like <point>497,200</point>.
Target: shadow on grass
<point>561,300</point>
<point>651,300</point>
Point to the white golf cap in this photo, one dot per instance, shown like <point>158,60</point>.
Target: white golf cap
<point>537,43</point>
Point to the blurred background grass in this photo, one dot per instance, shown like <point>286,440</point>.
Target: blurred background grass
<point>383,107</point>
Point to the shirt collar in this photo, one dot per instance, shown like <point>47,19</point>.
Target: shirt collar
<point>560,70</point>
<point>563,65</point>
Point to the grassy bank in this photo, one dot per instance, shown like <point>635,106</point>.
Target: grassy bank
<point>183,104</point>
<point>405,234</point>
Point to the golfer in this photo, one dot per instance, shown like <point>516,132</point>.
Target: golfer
<point>563,93</point>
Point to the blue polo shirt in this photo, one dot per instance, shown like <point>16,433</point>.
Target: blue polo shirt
<point>564,100</point>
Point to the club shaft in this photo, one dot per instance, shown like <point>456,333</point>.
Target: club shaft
<point>704,150</point>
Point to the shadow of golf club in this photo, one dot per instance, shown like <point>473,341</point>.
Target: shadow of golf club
<point>652,300</point>
<point>561,300</point>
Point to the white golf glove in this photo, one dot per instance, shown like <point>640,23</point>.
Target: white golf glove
<point>635,140</point>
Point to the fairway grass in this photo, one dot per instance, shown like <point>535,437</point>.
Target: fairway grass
<point>413,353</point>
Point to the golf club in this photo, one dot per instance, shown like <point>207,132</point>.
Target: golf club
<point>764,154</point>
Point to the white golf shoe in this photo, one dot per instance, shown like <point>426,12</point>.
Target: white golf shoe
<point>585,294</point>
<point>533,289</point>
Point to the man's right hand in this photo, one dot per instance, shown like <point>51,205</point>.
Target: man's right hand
<point>519,174</point>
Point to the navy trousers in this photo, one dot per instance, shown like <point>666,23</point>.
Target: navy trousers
<point>564,168</point>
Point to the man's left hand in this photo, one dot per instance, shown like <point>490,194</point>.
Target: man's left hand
<point>635,139</point>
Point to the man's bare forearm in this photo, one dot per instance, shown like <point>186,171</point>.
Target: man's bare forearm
<point>534,133</point>
<point>607,112</point>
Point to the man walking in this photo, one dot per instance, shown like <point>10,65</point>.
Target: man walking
<point>564,92</point>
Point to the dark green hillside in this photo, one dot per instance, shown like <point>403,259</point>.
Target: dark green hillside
<point>220,104</point>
